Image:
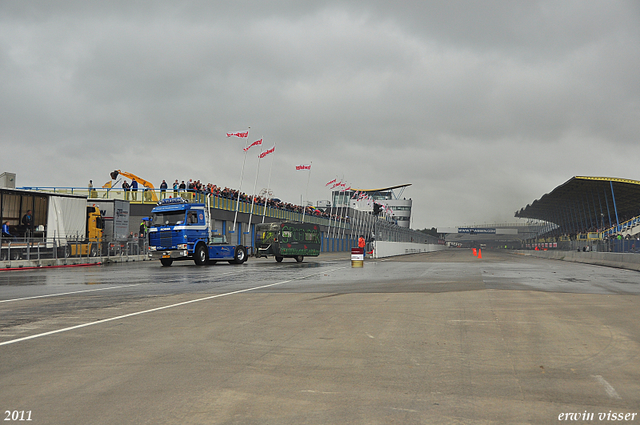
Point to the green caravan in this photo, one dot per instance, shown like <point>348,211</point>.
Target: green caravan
<point>287,240</point>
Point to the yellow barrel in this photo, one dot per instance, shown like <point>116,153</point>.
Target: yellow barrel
<point>357,257</point>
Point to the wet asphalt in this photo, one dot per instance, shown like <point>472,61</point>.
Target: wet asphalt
<point>428,338</point>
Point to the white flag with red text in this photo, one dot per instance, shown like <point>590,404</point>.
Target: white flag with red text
<point>331,182</point>
<point>303,167</point>
<point>267,152</point>
<point>256,143</point>
<point>239,134</point>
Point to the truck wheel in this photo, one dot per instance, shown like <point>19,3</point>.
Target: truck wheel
<point>279,259</point>
<point>166,262</point>
<point>201,256</point>
<point>240,256</point>
<point>299,258</point>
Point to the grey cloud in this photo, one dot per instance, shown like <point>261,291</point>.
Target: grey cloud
<point>487,104</point>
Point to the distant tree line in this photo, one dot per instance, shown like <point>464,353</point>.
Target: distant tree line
<point>432,232</point>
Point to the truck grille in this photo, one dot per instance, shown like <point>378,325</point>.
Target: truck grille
<point>166,239</point>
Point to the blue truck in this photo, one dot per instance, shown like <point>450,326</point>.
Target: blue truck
<point>183,231</point>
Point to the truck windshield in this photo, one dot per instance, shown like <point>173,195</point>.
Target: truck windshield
<point>168,218</point>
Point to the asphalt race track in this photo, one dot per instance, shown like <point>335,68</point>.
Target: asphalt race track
<point>438,338</point>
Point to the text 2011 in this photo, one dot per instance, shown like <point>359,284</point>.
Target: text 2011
<point>17,415</point>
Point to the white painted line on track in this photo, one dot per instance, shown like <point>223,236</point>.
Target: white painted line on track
<point>68,293</point>
<point>611,392</point>
<point>87,290</point>
<point>137,313</point>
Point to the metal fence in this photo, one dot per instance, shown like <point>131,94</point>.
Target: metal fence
<point>346,222</point>
<point>37,249</point>
<point>614,244</point>
<point>151,197</point>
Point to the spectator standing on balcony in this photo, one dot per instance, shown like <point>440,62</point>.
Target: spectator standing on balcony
<point>134,189</point>
<point>92,193</point>
<point>190,189</point>
<point>126,187</point>
<point>163,189</point>
<point>175,188</point>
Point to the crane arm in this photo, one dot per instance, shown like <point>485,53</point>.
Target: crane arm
<point>141,181</point>
<point>128,175</point>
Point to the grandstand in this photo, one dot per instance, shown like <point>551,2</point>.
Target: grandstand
<point>396,207</point>
<point>598,213</point>
<point>340,226</point>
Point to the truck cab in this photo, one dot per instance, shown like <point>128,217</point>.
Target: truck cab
<point>90,246</point>
<point>181,231</point>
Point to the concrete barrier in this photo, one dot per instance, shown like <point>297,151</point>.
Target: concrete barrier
<point>382,249</point>
<point>608,259</point>
<point>69,262</point>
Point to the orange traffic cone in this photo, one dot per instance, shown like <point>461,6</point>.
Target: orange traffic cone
<point>480,253</point>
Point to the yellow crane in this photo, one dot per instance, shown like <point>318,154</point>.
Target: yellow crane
<point>148,195</point>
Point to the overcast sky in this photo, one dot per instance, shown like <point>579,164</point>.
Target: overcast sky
<point>481,106</point>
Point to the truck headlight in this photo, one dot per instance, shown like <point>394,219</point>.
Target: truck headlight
<point>182,246</point>
<point>152,248</point>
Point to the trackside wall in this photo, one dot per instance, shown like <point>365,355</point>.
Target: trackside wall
<point>384,249</point>
<point>608,259</point>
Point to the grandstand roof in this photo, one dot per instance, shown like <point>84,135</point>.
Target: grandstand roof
<point>384,189</point>
<point>587,203</point>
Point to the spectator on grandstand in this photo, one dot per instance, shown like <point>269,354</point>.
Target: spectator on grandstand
<point>134,189</point>
<point>125,186</point>
<point>163,189</point>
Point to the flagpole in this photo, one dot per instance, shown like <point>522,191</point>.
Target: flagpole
<point>336,228</point>
<point>235,217</point>
<point>342,221</point>
<point>330,210</point>
<point>264,210</point>
<point>344,227</point>
<point>304,207</point>
<point>340,208</point>
<point>335,221</point>
<point>362,218</point>
<point>354,219</point>
<point>359,231</point>
<point>255,184</point>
